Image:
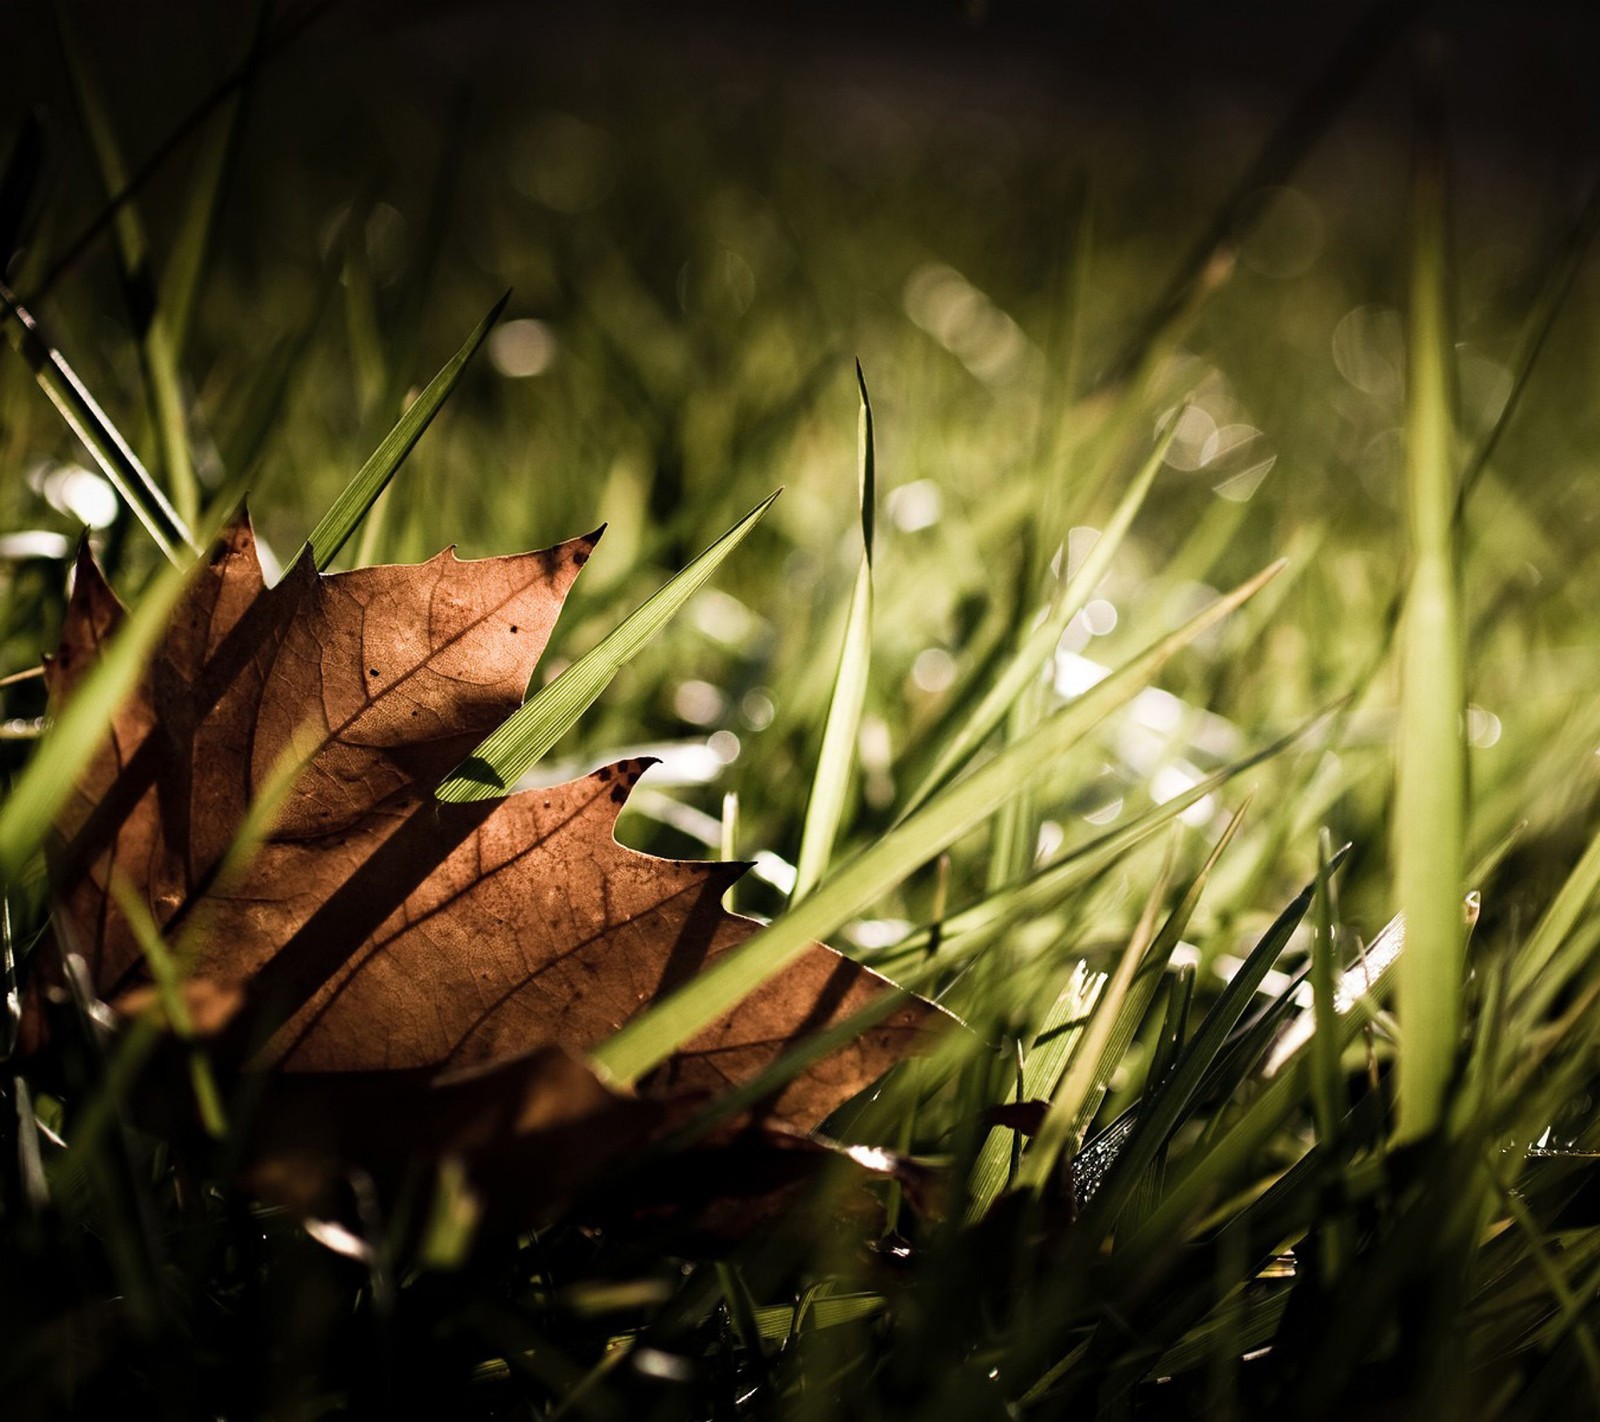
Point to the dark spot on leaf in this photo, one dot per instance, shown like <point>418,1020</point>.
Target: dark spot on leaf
<point>580,557</point>
<point>603,774</point>
<point>372,671</point>
<point>619,793</point>
<point>513,628</point>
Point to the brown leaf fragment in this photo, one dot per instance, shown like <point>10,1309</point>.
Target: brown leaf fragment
<point>743,1180</point>
<point>379,937</point>
<point>533,1132</point>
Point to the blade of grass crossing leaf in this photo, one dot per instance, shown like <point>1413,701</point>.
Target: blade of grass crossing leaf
<point>1430,801</point>
<point>1027,665</point>
<point>831,783</point>
<point>656,1033</point>
<point>358,496</point>
<point>157,355</point>
<point>99,436</point>
<point>168,978</point>
<point>518,744</point>
<point>51,775</point>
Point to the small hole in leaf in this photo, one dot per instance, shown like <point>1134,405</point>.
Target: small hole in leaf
<point>513,627</point>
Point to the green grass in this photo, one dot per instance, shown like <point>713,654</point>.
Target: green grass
<point>968,691</point>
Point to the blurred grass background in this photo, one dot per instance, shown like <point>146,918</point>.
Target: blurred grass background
<point>703,215</point>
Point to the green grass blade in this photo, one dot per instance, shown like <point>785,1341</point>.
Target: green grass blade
<point>1169,1103</point>
<point>518,744</point>
<point>1058,1037</point>
<point>1071,1113</point>
<point>100,437</point>
<point>656,1033</point>
<point>358,496</point>
<point>1087,1071</point>
<point>214,165</point>
<point>80,729</point>
<point>1327,1081</point>
<point>836,759</point>
<point>157,354</point>
<point>993,913</point>
<point>1530,972</point>
<point>1024,668</point>
<point>1430,792</point>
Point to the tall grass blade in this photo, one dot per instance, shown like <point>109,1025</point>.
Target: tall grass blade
<point>293,23</point>
<point>1028,664</point>
<point>1057,1039</point>
<point>99,436</point>
<point>1077,1109</point>
<point>1085,1074</point>
<point>1170,1101</point>
<point>831,784</point>
<point>157,353</point>
<point>519,743</point>
<point>358,496</point>
<point>214,165</point>
<point>1430,792</point>
<point>656,1033</point>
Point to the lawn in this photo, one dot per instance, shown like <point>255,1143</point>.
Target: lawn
<point>1165,678</point>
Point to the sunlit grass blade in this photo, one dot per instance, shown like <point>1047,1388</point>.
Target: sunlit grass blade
<point>995,912</point>
<point>358,496</point>
<point>1058,1037</point>
<point>831,783</point>
<point>157,355</point>
<point>1084,1073</point>
<point>1075,1106</point>
<point>656,1033</point>
<point>1171,1100</point>
<point>1430,789</point>
<point>99,436</point>
<point>1326,1082</point>
<point>1228,1152</point>
<point>80,729</point>
<point>1027,665</point>
<point>518,744</point>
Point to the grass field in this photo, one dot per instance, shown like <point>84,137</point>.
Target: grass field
<point>1229,494</point>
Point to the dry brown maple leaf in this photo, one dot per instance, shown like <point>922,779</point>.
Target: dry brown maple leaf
<point>378,929</point>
